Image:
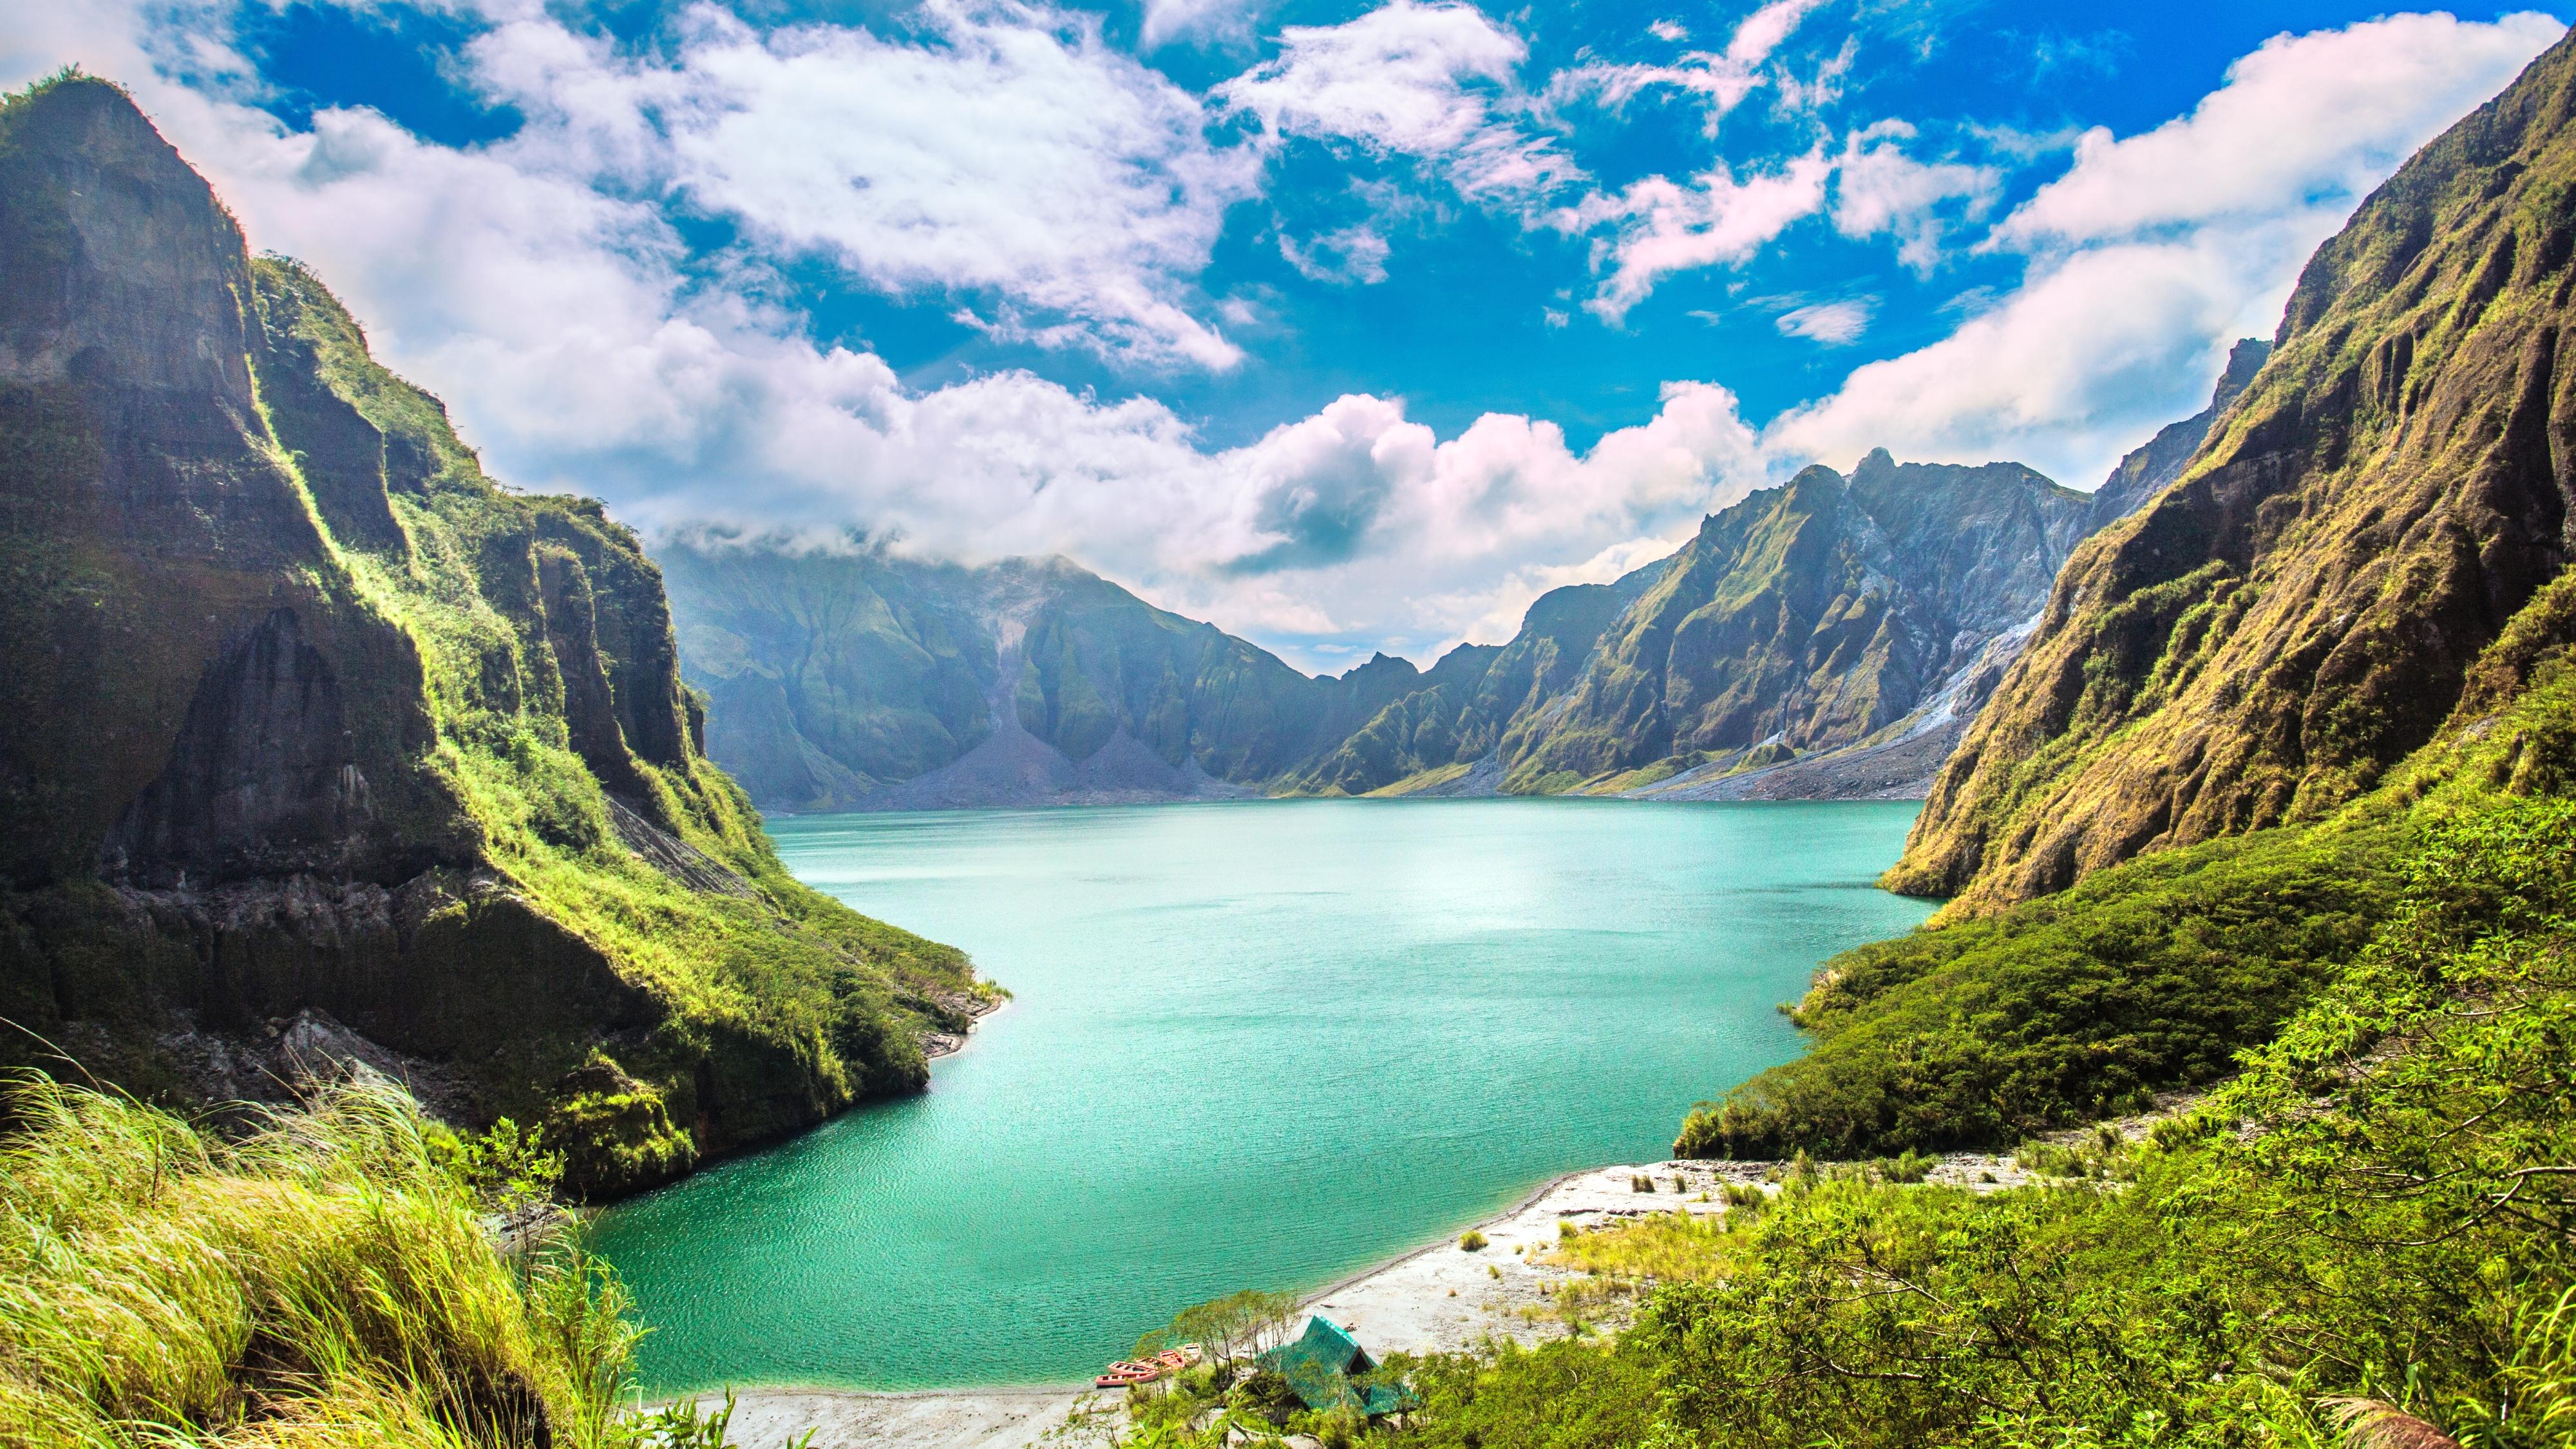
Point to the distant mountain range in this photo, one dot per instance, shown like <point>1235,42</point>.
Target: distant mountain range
<point>1831,637</point>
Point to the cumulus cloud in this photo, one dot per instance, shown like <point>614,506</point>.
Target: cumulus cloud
<point>538,283</point>
<point>1007,153</point>
<point>1167,21</point>
<point>1435,81</point>
<point>2153,252</point>
<point>2311,120</point>
<point>563,326</point>
<point>1881,189</point>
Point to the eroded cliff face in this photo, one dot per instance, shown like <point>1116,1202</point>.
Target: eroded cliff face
<point>2267,636</point>
<point>1805,618</point>
<point>300,712</point>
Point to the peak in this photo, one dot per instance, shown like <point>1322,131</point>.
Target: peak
<point>1878,461</point>
<point>2244,360</point>
<point>75,111</point>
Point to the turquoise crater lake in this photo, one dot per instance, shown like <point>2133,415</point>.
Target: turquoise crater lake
<point>1253,1045</point>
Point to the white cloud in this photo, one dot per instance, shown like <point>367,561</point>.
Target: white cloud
<point>1834,324</point>
<point>1665,228</point>
<point>1435,81</point>
<point>1880,189</point>
<point>1169,20</point>
<point>1354,254</point>
<point>537,286</point>
<point>2306,121</point>
<point>573,348</point>
<point>1720,79</point>
<point>2151,254</point>
<point>1009,153</point>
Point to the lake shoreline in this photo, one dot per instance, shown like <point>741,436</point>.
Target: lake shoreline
<point>1015,1416</point>
<point>1436,1297</point>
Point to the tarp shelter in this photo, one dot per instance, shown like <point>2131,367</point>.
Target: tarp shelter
<point>1320,1365</point>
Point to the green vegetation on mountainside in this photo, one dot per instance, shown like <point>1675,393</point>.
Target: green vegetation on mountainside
<point>1806,617</point>
<point>377,739</point>
<point>2269,636</point>
<point>2354,617</point>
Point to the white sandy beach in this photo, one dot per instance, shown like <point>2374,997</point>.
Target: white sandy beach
<point>1438,1297</point>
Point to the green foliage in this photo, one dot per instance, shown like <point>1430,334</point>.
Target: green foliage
<point>1472,1241</point>
<point>2147,977</point>
<point>1228,1329</point>
<point>505,1167</point>
<point>2374,1218</point>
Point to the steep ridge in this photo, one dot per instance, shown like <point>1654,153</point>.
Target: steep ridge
<point>1807,617</point>
<point>1831,637</point>
<point>302,716</point>
<point>2159,462</point>
<point>2262,640</point>
<point>844,676</point>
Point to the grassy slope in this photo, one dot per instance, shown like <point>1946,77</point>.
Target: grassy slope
<point>323,1281</point>
<point>2377,1207</point>
<point>506,664</point>
<point>2151,975</point>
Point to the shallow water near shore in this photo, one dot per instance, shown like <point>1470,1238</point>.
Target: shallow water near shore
<point>1252,1045</point>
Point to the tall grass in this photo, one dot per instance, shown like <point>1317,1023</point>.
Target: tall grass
<point>322,1280</point>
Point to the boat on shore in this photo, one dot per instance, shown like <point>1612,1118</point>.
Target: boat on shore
<point>1128,1373</point>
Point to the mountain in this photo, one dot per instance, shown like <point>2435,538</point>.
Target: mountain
<point>313,740</point>
<point>2266,637</point>
<point>1831,637</point>
<point>2160,461</point>
<point>1805,618</point>
<point>846,676</point>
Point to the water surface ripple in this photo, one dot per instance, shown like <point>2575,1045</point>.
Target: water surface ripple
<point>1255,1044</point>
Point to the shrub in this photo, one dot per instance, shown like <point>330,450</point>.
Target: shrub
<point>1472,1241</point>
<point>323,1277</point>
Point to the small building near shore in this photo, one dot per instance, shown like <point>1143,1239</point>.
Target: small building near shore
<point>1320,1365</point>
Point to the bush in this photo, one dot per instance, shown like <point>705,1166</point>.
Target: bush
<point>2147,976</point>
<point>1472,1241</point>
<point>2373,1220</point>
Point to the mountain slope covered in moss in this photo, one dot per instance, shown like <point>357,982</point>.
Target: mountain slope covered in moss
<point>2264,640</point>
<point>302,713</point>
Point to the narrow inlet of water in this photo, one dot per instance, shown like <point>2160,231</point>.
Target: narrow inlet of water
<point>1252,1045</point>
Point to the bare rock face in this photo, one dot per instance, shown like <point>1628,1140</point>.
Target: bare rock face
<point>1808,617</point>
<point>2159,463</point>
<point>2300,611</point>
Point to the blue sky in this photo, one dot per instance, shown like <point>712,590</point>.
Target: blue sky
<point>1347,325</point>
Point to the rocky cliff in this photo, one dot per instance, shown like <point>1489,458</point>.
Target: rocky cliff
<point>844,676</point>
<point>2159,462</point>
<point>2263,639</point>
<point>1831,637</point>
<point>301,714</point>
<point>1806,618</point>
